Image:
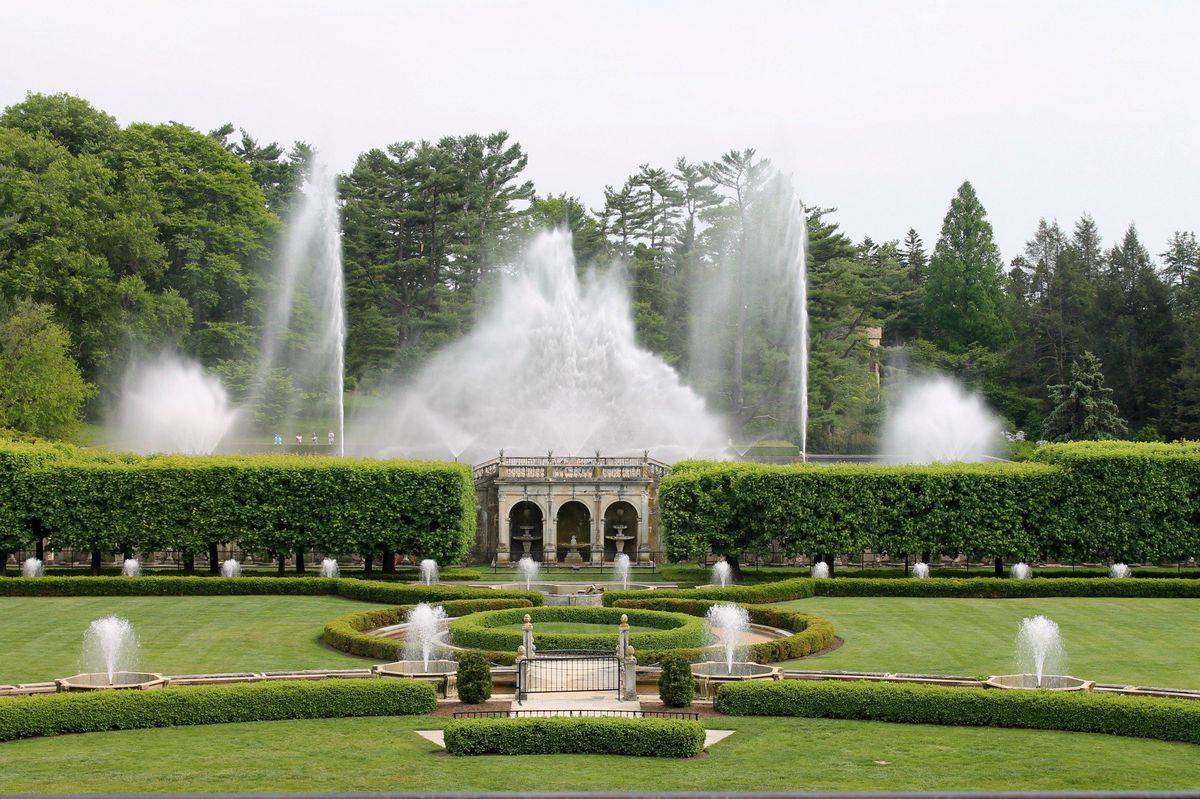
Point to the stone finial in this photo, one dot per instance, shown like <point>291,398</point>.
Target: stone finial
<point>521,651</point>
<point>624,621</point>
<point>528,622</point>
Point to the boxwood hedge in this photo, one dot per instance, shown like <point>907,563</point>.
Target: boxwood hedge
<point>99,711</point>
<point>1140,717</point>
<point>672,630</point>
<point>575,736</point>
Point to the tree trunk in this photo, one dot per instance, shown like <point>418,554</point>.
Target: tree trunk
<point>829,562</point>
<point>4,563</point>
<point>926,556</point>
<point>189,562</point>
<point>368,564</point>
<point>905,564</point>
<point>389,561</point>
<point>39,549</point>
<point>281,562</point>
<point>213,566</point>
<point>126,552</point>
<point>95,563</point>
<point>299,560</point>
<point>999,567</point>
<point>735,567</point>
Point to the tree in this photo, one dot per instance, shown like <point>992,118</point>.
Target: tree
<point>65,119</point>
<point>964,290</point>
<point>42,391</point>
<point>1083,406</point>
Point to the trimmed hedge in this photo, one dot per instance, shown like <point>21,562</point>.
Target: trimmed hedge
<point>999,587</point>
<point>1138,717</point>
<point>676,686</point>
<point>348,633</point>
<point>575,736</point>
<point>100,711</point>
<point>474,678</point>
<point>1080,501</point>
<point>809,633</point>
<point>782,591</point>
<point>672,630</point>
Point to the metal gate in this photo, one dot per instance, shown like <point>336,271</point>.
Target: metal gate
<point>568,671</point>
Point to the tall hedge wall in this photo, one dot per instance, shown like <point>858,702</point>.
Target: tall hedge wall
<point>1089,500</point>
<point>265,503</point>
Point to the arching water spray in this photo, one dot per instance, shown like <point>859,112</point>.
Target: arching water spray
<point>728,624</point>
<point>109,645</point>
<point>935,420</point>
<point>429,571</point>
<point>231,568</point>
<point>1039,649</point>
<point>722,573</point>
<point>32,567</point>
<point>131,567</point>
<point>170,404</point>
<point>527,567</point>
<point>420,637</point>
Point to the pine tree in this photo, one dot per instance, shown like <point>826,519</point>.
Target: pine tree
<point>964,290</point>
<point>912,255</point>
<point>1083,406</point>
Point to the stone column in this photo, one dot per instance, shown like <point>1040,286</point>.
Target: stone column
<point>597,534</point>
<point>504,535</point>
<point>549,531</point>
<point>643,528</point>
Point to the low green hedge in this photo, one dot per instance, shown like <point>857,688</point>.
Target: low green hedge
<point>1138,717</point>
<point>781,591</point>
<point>672,630</point>
<point>1000,587</point>
<point>348,633</point>
<point>100,711</point>
<point>575,736</point>
<point>809,633</point>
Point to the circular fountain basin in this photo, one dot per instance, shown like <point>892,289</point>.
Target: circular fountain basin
<point>99,681</point>
<point>710,675</point>
<point>1029,682</point>
<point>417,668</point>
<point>572,593</point>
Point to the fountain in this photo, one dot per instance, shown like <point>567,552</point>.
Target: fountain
<point>170,404</point>
<point>528,568</point>
<point>935,420</point>
<point>920,570</point>
<point>32,567</point>
<point>621,571</point>
<point>231,568</point>
<point>1119,571</point>
<point>330,568</point>
<point>1041,660</point>
<point>552,364</point>
<point>425,626</point>
<point>820,570</point>
<point>131,567</point>
<point>619,536</point>
<point>728,625</point>
<point>429,571</point>
<point>1021,571</point>
<point>722,574</point>
<point>110,651</point>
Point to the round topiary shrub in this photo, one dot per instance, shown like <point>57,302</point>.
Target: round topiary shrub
<point>474,678</point>
<point>675,685</point>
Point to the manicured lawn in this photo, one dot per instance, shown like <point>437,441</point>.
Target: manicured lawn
<point>42,638</point>
<point>383,754</point>
<point>1139,641</point>
<point>580,628</point>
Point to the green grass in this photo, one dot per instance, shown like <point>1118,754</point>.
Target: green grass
<point>383,754</point>
<point>580,628</point>
<point>1138,641</point>
<point>41,638</point>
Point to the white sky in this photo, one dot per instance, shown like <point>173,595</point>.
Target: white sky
<point>879,108</point>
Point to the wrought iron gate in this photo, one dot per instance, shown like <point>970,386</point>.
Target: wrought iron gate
<point>568,671</point>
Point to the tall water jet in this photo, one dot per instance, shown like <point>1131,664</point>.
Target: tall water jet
<point>109,645</point>
<point>936,420</point>
<point>429,571</point>
<point>330,568</point>
<point>756,290</point>
<point>1039,649</point>
<point>32,567</point>
<point>304,332</point>
<point>420,637</point>
<point>131,567</point>
<point>170,404</point>
<point>920,570</point>
<point>1021,571</point>
<point>722,573</point>
<point>820,570</point>
<point>621,570</point>
<point>728,625</point>
<point>527,567</point>
<point>1119,571</point>
<point>231,568</point>
<point>552,365</point>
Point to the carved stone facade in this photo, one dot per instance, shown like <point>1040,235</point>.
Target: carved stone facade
<point>548,507</point>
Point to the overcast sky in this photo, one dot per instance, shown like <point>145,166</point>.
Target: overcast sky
<point>880,109</point>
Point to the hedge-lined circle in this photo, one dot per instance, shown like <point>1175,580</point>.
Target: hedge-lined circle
<point>485,630</point>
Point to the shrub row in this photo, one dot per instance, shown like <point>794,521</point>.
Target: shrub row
<point>575,736</point>
<point>1118,501</point>
<point>99,711</point>
<point>1139,717</point>
<point>348,633</point>
<point>809,633</point>
<point>993,587</point>
<point>272,504</point>
<point>672,630</point>
<point>781,591</point>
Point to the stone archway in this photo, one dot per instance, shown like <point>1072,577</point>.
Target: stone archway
<point>574,519</point>
<point>526,519</point>
<point>620,519</point>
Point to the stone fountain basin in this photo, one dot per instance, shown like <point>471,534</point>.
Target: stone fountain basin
<point>718,670</point>
<point>572,588</point>
<point>1028,682</point>
<point>98,681</point>
<point>417,668</point>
